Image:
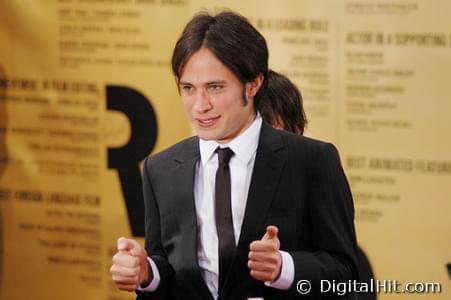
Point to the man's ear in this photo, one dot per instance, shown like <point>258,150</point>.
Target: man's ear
<point>252,87</point>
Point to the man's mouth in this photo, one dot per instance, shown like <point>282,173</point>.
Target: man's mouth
<point>207,122</point>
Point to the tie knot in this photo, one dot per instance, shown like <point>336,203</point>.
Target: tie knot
<point>224,155</point>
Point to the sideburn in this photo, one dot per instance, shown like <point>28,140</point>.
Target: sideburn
<point>244,95</point>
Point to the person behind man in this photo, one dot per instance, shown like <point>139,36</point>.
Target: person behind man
<point>282,105</point>
<point>241,210</point>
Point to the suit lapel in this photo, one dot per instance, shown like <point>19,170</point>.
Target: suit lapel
<point>265,176</point>
<point>184,174</point>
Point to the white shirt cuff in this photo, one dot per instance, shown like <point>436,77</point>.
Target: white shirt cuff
<point>153,285</point>
<point>286,277</point>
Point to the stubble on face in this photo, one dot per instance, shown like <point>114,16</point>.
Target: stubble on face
<point>214,98</point>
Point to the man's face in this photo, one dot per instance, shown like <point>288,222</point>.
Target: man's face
<point>213,98</point>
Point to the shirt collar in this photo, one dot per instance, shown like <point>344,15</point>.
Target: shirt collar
<point>244,145</point>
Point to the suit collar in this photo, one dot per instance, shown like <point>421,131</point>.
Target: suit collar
<point>265,177</point>
<point>189,151</point>
<point>183,174</point>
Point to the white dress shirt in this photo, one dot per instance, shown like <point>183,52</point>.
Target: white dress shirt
<point>241,165</point>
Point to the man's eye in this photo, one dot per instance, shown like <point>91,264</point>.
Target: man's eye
<point>215,87</point>
<point>187,88</point>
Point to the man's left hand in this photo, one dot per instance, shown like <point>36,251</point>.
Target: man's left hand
<point>265,261</point>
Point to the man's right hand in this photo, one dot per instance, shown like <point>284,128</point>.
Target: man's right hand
<point>130,267</point>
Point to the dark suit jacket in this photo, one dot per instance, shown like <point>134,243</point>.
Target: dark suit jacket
<point>297,184</point>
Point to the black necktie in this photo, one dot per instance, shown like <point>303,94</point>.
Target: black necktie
<point>223,214</point>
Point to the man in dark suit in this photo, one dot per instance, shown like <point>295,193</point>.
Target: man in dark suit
<point>242,210</point>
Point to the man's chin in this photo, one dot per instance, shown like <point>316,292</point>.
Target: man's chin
<point>206,135</point>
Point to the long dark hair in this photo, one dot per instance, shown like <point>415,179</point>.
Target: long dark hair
<point>282,105</point>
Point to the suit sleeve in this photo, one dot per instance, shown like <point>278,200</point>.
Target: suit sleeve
<point>153,244</point>
<point>331,212</point>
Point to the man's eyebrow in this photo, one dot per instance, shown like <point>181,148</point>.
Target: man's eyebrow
<point>216,82</point>
<point>219,81</point>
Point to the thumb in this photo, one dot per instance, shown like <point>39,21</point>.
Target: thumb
<point>271,232</point>
<point>125,244</point>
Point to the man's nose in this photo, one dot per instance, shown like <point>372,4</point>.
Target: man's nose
<point>202,102</point>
